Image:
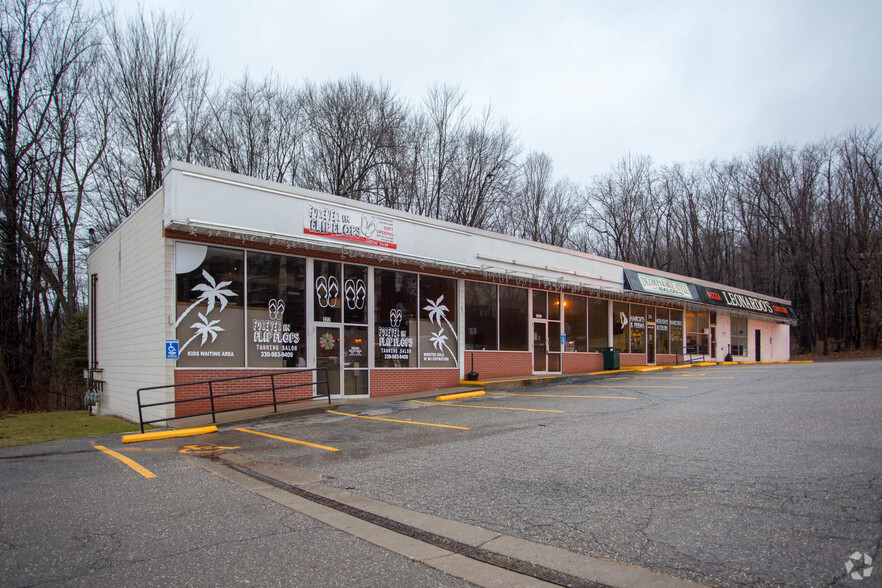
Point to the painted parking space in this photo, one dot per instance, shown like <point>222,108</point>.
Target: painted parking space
<point>401,421</point>
<point>135,466</point>
<point>289,440</point>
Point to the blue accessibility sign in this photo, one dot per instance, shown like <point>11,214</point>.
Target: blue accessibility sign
<point>171,348</point>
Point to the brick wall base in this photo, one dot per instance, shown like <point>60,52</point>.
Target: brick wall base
<point>239,401</point>
<point>499,364</point>
<point>389,382</point>
<point>581,363</point>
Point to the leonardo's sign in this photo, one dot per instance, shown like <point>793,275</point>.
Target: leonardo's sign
<point>721,297</point>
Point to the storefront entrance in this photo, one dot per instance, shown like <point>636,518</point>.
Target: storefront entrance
<point>650,345</point>
<point>340,330</point>
<point>343,352</point>
<point>546,343</point>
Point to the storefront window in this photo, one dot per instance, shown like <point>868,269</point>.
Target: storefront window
<point>576,323</point>
<point>513,319</point>
<point>554,306</point>
<point>598,324</point>
<point>355,294</point>
<point>662,327</point>
<point>210,323</point>
<point>540,304</point>
<point>276,320</point>
<point>327,290</point>
<point>637,328</point>
<point>697,333</point>
<point>739,336</point>
<point>620,326</point>
<point>395,318</point>
<point>480,316</point>
<point>676,331</point>
<point>438,339</point>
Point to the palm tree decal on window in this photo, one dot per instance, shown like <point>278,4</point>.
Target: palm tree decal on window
<point>212,293</point>
<point>437,313</point>
<point>439,341</point>
<point>205,328</point>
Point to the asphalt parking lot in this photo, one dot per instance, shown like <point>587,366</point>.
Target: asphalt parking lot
<point>728,475</point>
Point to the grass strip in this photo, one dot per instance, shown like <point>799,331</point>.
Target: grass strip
<point>37,427</point>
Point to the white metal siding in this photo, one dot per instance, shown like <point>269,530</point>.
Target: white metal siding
<point>135,297</point>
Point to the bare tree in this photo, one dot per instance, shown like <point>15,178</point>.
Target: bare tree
<point>154,68</point>
<point>352,130</point>
<point>256,130</point>
<point>484,174</point>
<point>41,43</point>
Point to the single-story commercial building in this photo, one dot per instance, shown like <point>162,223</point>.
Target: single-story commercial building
<point>218,275</point>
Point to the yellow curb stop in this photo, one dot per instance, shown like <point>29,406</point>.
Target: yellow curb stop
<point>459,396</point>
<point>154,435</point>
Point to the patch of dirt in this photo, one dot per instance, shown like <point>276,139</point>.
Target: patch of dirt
<point>854,354</point>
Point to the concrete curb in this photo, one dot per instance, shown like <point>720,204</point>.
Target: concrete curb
<point>590,569</point>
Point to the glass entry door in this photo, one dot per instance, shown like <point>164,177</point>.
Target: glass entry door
<point>327,349</point>
<point>540,347</point>
<point>650,344</point>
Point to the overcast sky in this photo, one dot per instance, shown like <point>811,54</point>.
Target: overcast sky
<point>586,82</point>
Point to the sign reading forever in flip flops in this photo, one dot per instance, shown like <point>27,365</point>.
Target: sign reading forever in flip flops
<point>349,225</point>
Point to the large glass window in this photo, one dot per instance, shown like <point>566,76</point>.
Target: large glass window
<point>620,326</point>
<point>676,331</point>
<point>327,292</point>
<point>540,304</point>
<point>576,322</point>
<point>395,318</point>
<point>598,324</point>
<point>554,306</point>
<point>662,327</point>
<point>638,328</point>
<point>480,316</point>
<point>513,319</point>
<point>355,294</point>
<point>276,321</point>
<point>739,336</point>
<point>438,340</point>
<point>697,333</point>
<point>210,321</point>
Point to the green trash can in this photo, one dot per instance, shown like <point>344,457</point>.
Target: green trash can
<point>611,359</point>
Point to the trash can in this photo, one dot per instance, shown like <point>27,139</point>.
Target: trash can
<point>611,359</point>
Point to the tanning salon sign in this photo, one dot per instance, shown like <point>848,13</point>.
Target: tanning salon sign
<point>350,225</point>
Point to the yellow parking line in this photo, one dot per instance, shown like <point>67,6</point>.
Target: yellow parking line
<point>482,406</point>
<point>289,440</point>
<point>359,416</point>
<point>566,395</point>
<point>612,386</point>
<point>691,378</point>
<point>129,462</point>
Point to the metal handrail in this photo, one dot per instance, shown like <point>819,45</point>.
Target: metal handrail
<point>212,396</point>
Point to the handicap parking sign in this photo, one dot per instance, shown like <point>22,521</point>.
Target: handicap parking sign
<point>171,348</point>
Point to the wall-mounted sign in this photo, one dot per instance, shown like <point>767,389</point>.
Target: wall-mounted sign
<point>641,282</point>
<point>728,299</point>
<point>349,225</point>
<point>172,347</point>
